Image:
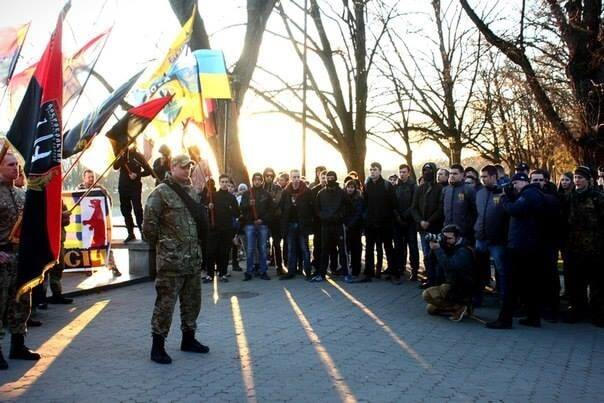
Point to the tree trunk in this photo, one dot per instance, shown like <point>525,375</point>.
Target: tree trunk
<point>258,12</point>
<point>455,148</point>
<point>354,158</point>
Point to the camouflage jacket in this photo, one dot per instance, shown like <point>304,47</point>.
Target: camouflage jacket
<point>169,226</point>
<point>585,213</point>
<point>12,200</point>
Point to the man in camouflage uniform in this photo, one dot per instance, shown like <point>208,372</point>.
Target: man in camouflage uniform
<point>171,227</point>
<point>12,200</point>
<point>585,242</point>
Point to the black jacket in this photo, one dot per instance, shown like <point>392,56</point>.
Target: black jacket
<point>380,202</point>
<point>301,201</point>
<point>457,264</point>
<point>225,212</point>
<point>263,208</point>
<point>356,211</point>
<point>404,192</point>
<point>427,206</point>
<point>331,205</point>
<point>131,162</point>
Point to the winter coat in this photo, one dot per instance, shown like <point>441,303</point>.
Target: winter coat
<point>585,218</point>
<point>458,266</point>
<point>524,211</point>
<point>226,210</point>
<point>302,202</point>
<point>169,226</point>
<point>404,193</point>
<point>262,210</point>
<point>356,211</point>
<point>427,206</point>
<point>491,220</point>
<point>459,207</point>
<point>331,204</point>
<point>380,203</point>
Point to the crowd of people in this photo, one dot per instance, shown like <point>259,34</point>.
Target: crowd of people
<point>476,231</point>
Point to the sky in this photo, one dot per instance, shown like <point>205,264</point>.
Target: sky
<point>142,31</point>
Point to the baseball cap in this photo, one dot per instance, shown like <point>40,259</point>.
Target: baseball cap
<point>182,160</point>
<point>521,176</point>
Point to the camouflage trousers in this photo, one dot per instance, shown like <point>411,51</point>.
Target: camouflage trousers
<point>436,298</point>
<point>187,289</point>
<point>16,313</point>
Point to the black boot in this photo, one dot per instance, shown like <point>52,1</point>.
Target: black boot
<point>131,236</point>
<point>190,344</point>
<point>158,352</point>
<point>19,351</point>
<point>3,363</point>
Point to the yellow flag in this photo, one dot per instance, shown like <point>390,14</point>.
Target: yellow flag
<point>173,53</point>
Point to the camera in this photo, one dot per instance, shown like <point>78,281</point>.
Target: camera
<point>433,237</point>
<point>508,189</point>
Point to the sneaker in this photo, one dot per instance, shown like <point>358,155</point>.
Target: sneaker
<point>115,271</point>
<point>207,279</point>
<point>458,315</point>
<point>224,279</point>
<point>247,277</point>
<point>316,279</point>
<point>348,279</point>
<point>264,276</point>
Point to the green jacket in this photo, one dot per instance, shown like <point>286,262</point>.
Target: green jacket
<point>169,226</point>
<point>585,215</point>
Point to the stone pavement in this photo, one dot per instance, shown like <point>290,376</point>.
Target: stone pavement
<point>297,341</point>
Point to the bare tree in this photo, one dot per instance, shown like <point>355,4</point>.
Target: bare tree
<point>579,25</point>
<point>441,80</point>
<point>258,13</point>
<point>337,111</point>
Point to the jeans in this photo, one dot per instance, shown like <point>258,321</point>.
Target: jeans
<point>257,236</point>
<point>297,242</point>
<point>497,253</point>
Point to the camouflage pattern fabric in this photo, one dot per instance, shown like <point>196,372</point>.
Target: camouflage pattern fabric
<point>186,288</point>
<point>12,200</point>
<point>169,226</point>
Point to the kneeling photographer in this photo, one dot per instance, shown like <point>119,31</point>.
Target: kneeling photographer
<point>456,262</point>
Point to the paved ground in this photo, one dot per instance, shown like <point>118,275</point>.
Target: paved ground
<point>296,341</point>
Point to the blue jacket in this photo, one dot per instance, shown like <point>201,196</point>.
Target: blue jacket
<point>491,220</point>
<point>459,207</point>
<point>525,211</point>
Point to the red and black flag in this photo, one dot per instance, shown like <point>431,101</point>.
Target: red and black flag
<point>36,134</point>
<point>80,137</point>
<point>125,131</point>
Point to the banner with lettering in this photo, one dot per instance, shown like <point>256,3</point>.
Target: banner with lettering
<point>88,237</point>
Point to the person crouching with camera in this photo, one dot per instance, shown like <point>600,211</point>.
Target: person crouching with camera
<point>456,261</point>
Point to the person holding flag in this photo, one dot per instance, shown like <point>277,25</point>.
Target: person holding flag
<point>133,167</point>
<point>36,133</point>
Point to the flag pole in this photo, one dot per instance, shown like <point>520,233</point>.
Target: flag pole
<point>88,77</point>
<point>304,88</point>
<point>14,65</point>
<point>103,173</point>
<point>225,134</point>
